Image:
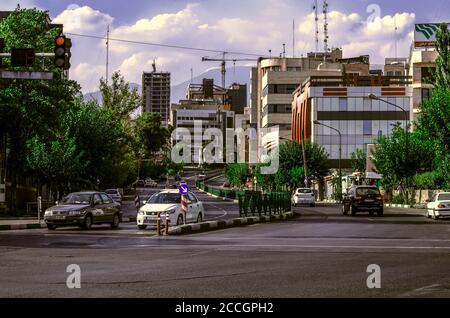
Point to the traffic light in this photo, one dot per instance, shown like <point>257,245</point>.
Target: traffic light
<point>62,52</point>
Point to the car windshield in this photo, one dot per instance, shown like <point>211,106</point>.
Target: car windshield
<point>111,191</point>
<point>165,198</point>
<point>77,198</point>
<point>366,191</point>
<point>444,196</point>
<point>303,190</point>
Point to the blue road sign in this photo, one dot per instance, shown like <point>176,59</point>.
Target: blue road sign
<point>184,188</point>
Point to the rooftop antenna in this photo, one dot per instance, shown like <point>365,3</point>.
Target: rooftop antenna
<point>154,66</point>
<point>325,29</point>
<point>284,49</point>
<point>107,54</point>
<point>316,18</point>
<point>192,75</point>
<point>293,38</point>
<point>270,53</point>
<point>395,22</point>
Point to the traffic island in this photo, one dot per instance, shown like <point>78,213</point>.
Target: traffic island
<point>224,224</point>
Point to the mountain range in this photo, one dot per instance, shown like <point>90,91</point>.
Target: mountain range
<point>238,74</point>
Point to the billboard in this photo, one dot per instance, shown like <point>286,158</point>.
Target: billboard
<point>425,34</point>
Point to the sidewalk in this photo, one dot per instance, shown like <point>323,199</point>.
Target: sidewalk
<point>20,224</point>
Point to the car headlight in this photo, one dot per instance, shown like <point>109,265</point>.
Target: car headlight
<point>140,212</point>
<point>171,211</point>
<point>48,213</point>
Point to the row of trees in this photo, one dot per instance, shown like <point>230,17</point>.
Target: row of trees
<point>56,137</point>
<point>291,171</point>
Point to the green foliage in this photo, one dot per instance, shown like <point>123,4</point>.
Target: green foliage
<point>358,160</point>
<point>264,181</point>
<point>172,168</point>
<point>425,180</point>
<point>237,173</point>
<point>118,97</point>
<point>297,175</point>
<point>151,136</point>
<point>400,156</point>
<point>443,60</point>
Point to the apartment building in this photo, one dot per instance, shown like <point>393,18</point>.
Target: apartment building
<point>156,94</point>
<point>342,102</point>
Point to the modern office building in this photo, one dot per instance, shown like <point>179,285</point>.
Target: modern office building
<point>342,103</point>
<point>156,93</point>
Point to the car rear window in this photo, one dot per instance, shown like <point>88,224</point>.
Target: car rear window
<point>444,196</point>
<point>303,190</point>
<point>366,191</point>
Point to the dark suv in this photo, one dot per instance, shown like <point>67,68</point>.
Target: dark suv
<point>363,198</point>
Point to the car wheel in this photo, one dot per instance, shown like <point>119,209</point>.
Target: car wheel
<point>353,210</point>
<point>87,224</point>
<point>51,227</point>
<point>344,210</point>
<point>180,220</point>
<point>142,227</point>
<point>428,214</point>
<point>116,221</point>
<point>199,218</point>
<point>435,217</point>
<point>380,212</point>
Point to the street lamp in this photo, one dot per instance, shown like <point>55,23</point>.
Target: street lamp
<point>316,122</point>
<point>375,97</point>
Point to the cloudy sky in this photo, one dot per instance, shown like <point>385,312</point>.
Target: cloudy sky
<point>248,26</point>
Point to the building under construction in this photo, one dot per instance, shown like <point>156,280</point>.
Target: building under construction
<point>156,93</point>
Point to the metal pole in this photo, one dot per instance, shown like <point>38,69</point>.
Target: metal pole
<point>39,206</point>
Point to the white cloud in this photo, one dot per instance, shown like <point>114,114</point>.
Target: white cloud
<point>213,25</point>
<point>78,19</point>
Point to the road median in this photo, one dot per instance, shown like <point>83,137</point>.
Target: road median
<point>224,224</point>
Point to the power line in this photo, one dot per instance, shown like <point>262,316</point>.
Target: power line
<point>162,45</point>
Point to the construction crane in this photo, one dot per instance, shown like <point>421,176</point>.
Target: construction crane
<point>223,61</point>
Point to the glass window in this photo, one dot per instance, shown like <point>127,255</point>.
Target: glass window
<point>343,104</point>
<point>366,191</point>
<point>77,198</point>
<point>367,105</point>
<point>192,197</point>
<point>444,197</point>
<point>106,199</point>
<point>367,127</point>
<point>165,198</point>
<point>97,199</point>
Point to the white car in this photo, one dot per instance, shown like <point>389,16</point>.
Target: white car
<point>304,196</point>
<point>150,183</point>
<point>168,202</point>
<point>439,205</point>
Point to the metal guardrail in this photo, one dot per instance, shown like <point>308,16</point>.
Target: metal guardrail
<point>253,203</point>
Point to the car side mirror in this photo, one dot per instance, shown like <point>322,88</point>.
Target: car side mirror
<point>144,202</point>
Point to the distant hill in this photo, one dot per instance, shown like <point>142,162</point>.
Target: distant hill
<point>239,74</point>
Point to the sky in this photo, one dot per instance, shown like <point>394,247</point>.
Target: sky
<point>359,27</point>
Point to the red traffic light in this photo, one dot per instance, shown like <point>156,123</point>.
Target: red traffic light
<point>60,40</point>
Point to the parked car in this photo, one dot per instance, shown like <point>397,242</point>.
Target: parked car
<point>169,202</point>
<point>439,205</point>
<point>304,196</point>
<point>84,209</point>
<point>363,198</point>
<point>114,194</point>
<point>138,184</point>
<point>150,183</point>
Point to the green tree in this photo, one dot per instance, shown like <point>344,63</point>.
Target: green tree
<point>119,97</point>
<point>399,157</point>
<point>31,108</point>
<point>151,136</point>
<point>443,59</point>
<point>237,174</point>
<point>358,160</point>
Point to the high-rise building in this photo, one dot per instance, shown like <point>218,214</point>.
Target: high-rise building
<point>237,97</point>
<point>156,94</point>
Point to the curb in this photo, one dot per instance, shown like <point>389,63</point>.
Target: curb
<point>5,227</point>
<point>218,225</point>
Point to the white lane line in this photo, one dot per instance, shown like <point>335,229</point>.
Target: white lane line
<point>219,208</point>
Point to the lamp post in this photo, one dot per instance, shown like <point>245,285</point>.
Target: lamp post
<point>316,122</point>
<point>375,97</point>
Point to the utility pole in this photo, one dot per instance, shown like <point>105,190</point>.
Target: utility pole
<point>107,54</point>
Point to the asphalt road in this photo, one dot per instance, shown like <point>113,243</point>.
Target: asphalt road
<point>318,254</point>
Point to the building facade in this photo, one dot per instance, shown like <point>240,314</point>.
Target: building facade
<point>342,103</point>
<point>156,94</point>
